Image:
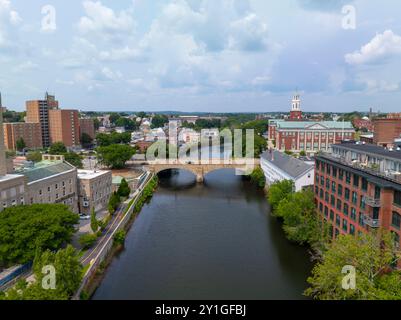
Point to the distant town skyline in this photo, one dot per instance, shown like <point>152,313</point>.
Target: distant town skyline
<point>202,55</point>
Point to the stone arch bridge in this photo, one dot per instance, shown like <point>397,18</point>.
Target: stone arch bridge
<point>202,168</point>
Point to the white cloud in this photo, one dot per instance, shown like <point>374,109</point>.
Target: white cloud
<point>101,19</point>
<point>9,19</point>
<point>381,47</point>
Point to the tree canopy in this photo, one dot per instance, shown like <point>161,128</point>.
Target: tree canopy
<point>115,156</point>
<point>159,121</point>
<point>279,191</point>
<point>57,148</point>
<point>68,276</point>
<point>372,256</point>
<point>124,190</point>
<point>104,139</point>
<point>24,229</point>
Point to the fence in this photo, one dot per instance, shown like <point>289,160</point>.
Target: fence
<point>9,275</point>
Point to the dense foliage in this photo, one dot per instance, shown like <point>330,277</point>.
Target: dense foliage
<point>279,191</point>
<point>371,255</point>
<point>146,194</point>
<point>58,148</point>
<point>114,202</point>
<point>115,156</point>
<point>24,229</point>
<point>258,177</point>
<point>159,121</point>
<point>68,275</point>
<point>104,139</point>
<point>124,190</point>
<point>87,240</point>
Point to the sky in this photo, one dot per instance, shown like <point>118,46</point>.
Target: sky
<point>202,55</point>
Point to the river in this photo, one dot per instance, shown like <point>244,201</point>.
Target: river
<point>215,240</point>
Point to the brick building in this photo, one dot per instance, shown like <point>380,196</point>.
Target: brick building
<point>358,189</point>
<point>31,133</point>
<point>64,127</point>
<point>308,136</point>
<point>37,111</point>
<point>386,130</point>
<point>87,125</point>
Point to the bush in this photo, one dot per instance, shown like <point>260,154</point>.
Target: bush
<point>258,177</point>
<point>87,240</point>
<point>124,190</point>
<point>119,237</point>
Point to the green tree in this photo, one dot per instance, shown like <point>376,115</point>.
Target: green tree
<point>124,190</point>
<point>57,148</point>
<point>94,222</point>
<point>34,156</point>
<point>372,256</point>
<point>258,177</point>
<point>114,202</point>
<point>127,124</point>
<point>104,139</point>
<point>86,140</point>
<point>300,221</point>
<point>87,240</point>
<point>23,229</point>
<point>74,159</point>
<point>68,277</point>
<point>159,121</point>
<point>115,156</point>
<point>119,237</point>
<point>279,191</point>
<point>20,144</point>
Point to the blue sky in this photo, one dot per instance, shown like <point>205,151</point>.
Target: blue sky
<point>202,55</point>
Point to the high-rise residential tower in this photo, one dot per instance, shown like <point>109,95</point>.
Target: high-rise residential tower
<point>37,111</point>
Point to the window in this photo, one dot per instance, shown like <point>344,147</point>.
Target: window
<point>321,194</point>
<point>338,220</point>
<point>347,193</point>
<point>397,197</point>
<point>348,177</point>
<point>354,197</point>
<point>340,190</point>
<point>345,225</point>
<point>316,190</point>
<point>321,207</point>
<point>326,197</point>
<point>339,205</point>
<point>327,184</point>
<point>361,223</point>
<point>346,209</point>
<point>340,174</point>
<point>334,173</point>
<point>331,215</point>
<point>333,186</point>
<point>356,180</point>
<point>364,184</point>
<point>363,205</point>
<point>332,200</point>
<point>396,220</point>
<point>326,212</point>
<point>352,229</point>
<point>317,178</point>
<point>353,214</point>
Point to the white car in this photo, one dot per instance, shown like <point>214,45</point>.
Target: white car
<point>84,217</point>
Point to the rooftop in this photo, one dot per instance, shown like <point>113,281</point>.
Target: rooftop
<point>91,174</point>
<point>370,149</point>
<point>290,165</point>
<point>316,125</point>
<point>9,177</point>
<point>46,169</point>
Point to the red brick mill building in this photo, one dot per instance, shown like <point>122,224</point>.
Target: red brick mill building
<point>358,188</point>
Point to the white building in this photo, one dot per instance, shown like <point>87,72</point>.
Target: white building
<point>278,166</point>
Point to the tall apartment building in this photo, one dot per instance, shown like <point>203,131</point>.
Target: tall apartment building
<point>358,188</point>
<point>31,133</point>
<point>37,111</point>
<point>87,125</point>
<point>94,190</point>
<point>64,127</point>
<point>12,186</point>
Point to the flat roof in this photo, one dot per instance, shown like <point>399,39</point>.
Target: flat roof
<point>90,174</point>
<point>9,177</point>
<point>371,149</point>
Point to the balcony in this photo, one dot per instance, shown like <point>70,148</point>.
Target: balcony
<point>369,221</point>
<point>373,202</point>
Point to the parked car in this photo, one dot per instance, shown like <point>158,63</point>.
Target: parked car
<point>84,217</point>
